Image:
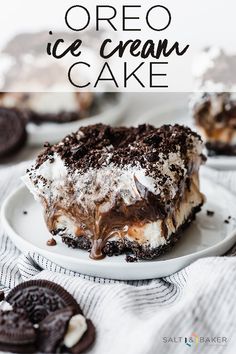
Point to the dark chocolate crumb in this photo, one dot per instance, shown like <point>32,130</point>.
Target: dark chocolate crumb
<point>2,296</point>
<point>210,213</point>
<point>51,242</point>
<point>226,221</point>
<point>25,212</point>
<point>131,259</point>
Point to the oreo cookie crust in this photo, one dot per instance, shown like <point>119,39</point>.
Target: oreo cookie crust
<point>40,298</point>
<point>17,333</point>
<point>12,131</point>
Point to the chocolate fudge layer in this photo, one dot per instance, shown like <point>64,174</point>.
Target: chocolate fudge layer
<point>113,190</point>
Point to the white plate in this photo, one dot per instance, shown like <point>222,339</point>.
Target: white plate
<point>53,132</point>
<point>177,112</point>
<point>207,236</point>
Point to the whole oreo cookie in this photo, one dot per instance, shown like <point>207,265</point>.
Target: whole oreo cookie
<point>12,131</point>
<point>40,298</point>
<point>52,330</point>
<point>17,333</point>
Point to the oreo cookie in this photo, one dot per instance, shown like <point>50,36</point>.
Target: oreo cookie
<point>17,333</point>
<point>52,330</point>
<point>40,298</point>
<point>12,131</point>
<point>40,320</point>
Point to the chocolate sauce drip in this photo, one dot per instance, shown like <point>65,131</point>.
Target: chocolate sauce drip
<point>119,220</point>
<point>164,229</point>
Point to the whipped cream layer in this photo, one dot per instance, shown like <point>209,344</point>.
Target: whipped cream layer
<point>106,197</point>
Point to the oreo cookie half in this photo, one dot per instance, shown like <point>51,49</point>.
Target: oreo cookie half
<point>17,333</point>
<point>40,298</point>
<point>52,329</point>
<point>12,131</point>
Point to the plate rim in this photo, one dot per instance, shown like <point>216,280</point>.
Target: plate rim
<point>199,254</point>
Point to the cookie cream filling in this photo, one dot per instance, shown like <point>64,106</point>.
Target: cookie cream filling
<point>76,328</point>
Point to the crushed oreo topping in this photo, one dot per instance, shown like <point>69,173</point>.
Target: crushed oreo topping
<point>99,145</point>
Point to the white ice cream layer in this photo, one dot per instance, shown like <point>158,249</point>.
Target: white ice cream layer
<point>50,179</point>
<point>92,186</point>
